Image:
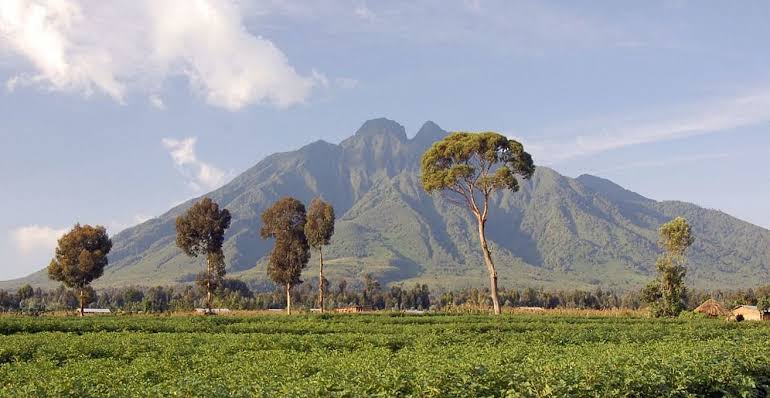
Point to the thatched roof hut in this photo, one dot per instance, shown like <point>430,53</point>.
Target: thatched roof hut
<point>712,309</point>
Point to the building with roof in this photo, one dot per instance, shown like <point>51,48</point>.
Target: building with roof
<point>712,309</point>
<point>749,313</point>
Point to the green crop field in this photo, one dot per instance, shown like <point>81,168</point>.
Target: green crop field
<point>381,355</point>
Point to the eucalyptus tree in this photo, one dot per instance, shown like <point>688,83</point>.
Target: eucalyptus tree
<point>80,258</point>
<point>667,294</point>
<point>319,229</point>
<point>201,232</point>
<point>469,168</point>
<point>285,222</point>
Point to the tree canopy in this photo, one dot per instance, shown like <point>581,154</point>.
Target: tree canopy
<point>470,167</point>
<point>667,294</point>
<point>80,258</point>
<point>286,218</point>
<point>319,227</point>
<point>467,164</point>
<point>285,221</point>
<point>201,231</point>
<point>287,260</point>
<point>676,236</point>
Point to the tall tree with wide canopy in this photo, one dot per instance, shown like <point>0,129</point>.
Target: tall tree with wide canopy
<point>667,294</point>
<point>80,258</point>
<point>201,231</point>
<point>285,222</point>
<point>319,230</point>
<point>469,168</point>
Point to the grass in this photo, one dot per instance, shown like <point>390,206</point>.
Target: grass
<point>553,353</point>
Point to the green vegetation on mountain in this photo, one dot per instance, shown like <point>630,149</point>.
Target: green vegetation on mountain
<point>556,232</point>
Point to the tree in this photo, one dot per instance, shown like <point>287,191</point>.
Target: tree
<point>157,299</point>
<point>201,231</point>
<point>64,298</point>
<point>763,304</point>
<point>80,258</point>
<point>7,301</point>
<point>469,168</point>
<point>131,299</point>
<point>285,222</point>
<point>319,229</point>
<point>25,292</point>
<point>667,294</point>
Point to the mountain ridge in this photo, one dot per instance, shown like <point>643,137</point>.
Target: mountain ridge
<point>558,231</point>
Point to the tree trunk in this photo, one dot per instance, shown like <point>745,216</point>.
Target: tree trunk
<point>208,286</point>
<point>288,298</point>
<point>82,302</point>
<point>490,265</point>
<point>321,281</point>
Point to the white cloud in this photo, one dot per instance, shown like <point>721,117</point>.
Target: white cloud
<point>36,238</point>
<point>11,83</point>
<point>200,175</point>
<point>709,117</point>
<point>115,48</point>
<point>364,12</point>
<point>320,79</point>
<point>157,102</point>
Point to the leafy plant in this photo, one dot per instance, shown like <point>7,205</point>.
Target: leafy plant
<point>376,355</point>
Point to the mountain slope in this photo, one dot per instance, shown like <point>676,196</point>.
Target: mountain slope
<point>557,232</point>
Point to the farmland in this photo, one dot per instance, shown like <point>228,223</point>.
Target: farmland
<point>381,355</point>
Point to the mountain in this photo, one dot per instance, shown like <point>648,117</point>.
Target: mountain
<point>557,232</point>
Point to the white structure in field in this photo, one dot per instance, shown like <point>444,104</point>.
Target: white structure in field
<point>96,311</point>
<point>213,310</point>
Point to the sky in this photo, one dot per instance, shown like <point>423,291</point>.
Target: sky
<point>111,112</point>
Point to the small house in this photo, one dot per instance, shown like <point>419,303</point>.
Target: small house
<point>712,309</point>
<point>96,311</point>
<point>216,311</point>
<point>749,313</point>
<point>353,309</point>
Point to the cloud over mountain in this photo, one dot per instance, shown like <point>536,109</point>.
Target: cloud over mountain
<point>200,175</point>
<point>32,238</point>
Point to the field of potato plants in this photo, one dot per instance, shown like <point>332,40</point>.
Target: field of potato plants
<point>381,355</point>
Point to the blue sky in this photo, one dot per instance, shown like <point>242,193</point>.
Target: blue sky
<point>112,113</point>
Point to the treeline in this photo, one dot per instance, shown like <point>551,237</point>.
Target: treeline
<point>237,295</point>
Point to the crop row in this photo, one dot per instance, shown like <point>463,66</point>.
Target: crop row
<point>383,356</point>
